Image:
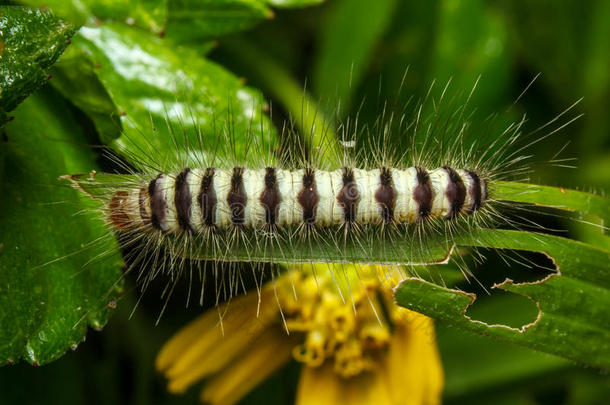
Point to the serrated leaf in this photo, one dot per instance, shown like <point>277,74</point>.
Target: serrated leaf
<point>48,292</point>
<point>30,42</point>
<point>573,304</point>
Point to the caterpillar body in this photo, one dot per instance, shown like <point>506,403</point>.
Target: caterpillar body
<point>211,199</point>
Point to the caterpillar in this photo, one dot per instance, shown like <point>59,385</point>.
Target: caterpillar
<point>331,204</point>
<point>206,201</point>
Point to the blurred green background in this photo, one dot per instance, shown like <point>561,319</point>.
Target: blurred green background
<point>346,51</point>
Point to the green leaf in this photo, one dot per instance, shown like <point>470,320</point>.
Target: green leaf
<point>572,304</point>
<point>30,42</point>
<point>407,44</point>
<point>564,23</point>
<point>593,211</point>
<point>354,29</point>
<point>52,281</point>
<point>472,41</point>
<point>189,20</point>
<point>553,197</point>
<point>595,82</point>
<point>473,363</point>
<point>293,3</point>
<point>142,82</point>
<point>278,83</point>
<point>180,20</point>
<point>75,75</point>
<point>77,12</point>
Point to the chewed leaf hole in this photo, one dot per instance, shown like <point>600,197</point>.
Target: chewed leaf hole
<point>502,264</point>
<point>492,309</point>
<point>518,266</point>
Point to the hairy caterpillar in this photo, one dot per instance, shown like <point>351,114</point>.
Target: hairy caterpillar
<point>265,199</point>
<point>328,205</point>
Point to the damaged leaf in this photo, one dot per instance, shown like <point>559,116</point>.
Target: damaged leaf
<point>573,304</point>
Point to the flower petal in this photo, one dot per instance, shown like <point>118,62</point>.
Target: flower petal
<point>321,385</point>
<point>409,373</point>
<point>268,353</point>
<point>203,347</point>
<point>413,367</point>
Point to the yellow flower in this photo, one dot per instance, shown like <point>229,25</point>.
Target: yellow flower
<point>356,345</point>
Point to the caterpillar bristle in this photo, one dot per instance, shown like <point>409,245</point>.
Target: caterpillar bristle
<point>354,197</point>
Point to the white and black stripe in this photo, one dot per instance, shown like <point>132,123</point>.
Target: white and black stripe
<point>215,199</point>
<point>158,204</point>
<point>183,200</point>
